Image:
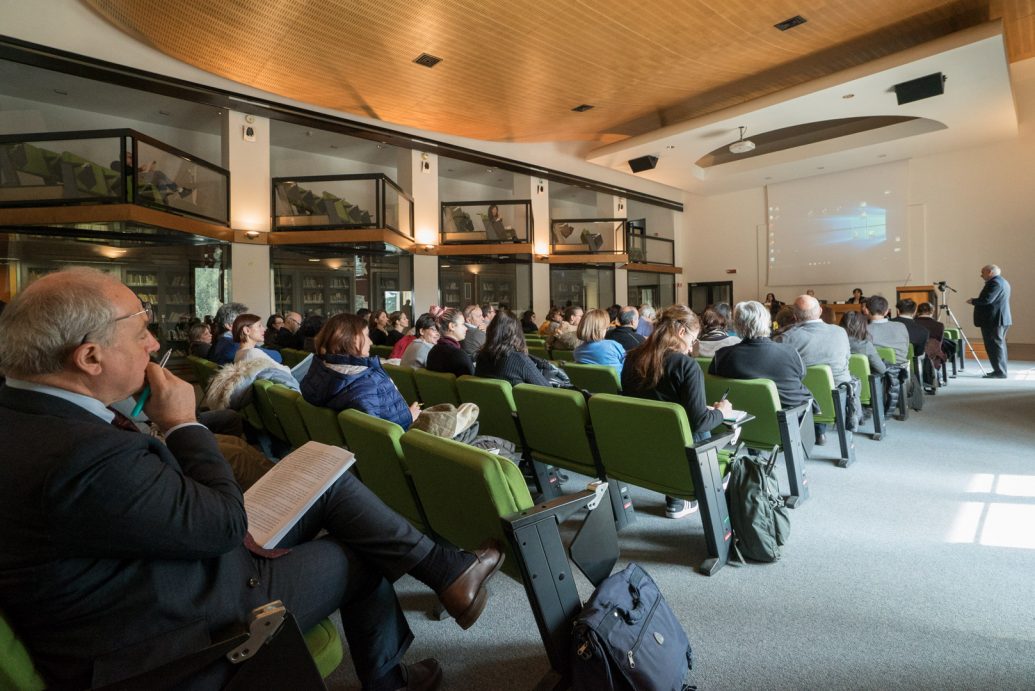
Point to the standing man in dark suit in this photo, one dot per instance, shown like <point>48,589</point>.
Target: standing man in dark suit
<point>992,314</point>
<point>123,552</point>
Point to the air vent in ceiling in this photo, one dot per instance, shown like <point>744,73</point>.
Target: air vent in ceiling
<point>796,20</point>
<point>582,109</point>
<point>427,60</point>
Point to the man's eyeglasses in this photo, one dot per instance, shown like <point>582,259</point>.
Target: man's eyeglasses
<point>147,312</point>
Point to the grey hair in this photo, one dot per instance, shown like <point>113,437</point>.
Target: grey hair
<point>627,316</point>
<point>47,321</point>
<point>751,319</point>
<point>228,312</point>
<point>993,270</point>
<point>647,312</point>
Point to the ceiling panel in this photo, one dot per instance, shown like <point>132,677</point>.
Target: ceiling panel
<point>512,71</point>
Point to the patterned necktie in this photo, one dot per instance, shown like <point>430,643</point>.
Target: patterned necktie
<point>123,422</point>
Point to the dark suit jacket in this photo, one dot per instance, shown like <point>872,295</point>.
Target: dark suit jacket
<point>286,339</point>
<point>934,327</point>
<point>119,552</point>
<point>992,306</point>
<point>626,336</point>
<point>918,334</point>
<point>223,350</point>
<point>761,358</point>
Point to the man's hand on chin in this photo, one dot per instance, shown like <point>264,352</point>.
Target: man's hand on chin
<point>172,399</point>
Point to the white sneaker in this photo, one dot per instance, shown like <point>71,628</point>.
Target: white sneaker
<point>679,508</point>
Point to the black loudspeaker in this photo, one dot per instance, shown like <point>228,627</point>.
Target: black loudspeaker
<point>638,165</point>
<point>919,89</point>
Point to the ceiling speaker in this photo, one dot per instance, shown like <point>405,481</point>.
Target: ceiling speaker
<point>919,89</point>
<point>638,165</point>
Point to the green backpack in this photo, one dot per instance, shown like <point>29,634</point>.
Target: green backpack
<point>760,520</point>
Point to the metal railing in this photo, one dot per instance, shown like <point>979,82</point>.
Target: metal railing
<point>651,250</point>
<point>110,167</point>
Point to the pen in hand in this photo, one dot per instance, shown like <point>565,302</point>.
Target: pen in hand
<point>724,396</point>
<point>147,387</point>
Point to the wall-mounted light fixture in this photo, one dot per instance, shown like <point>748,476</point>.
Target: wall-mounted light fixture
<point>252,234</point>
<point>425,163</point>
<point>540,188</point>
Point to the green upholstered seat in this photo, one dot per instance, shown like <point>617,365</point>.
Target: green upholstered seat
<point>204,369</point>
<point>650,444</point>
<point>382,351</point>
<point>562,355</point>
<point>820,382</point>
<point>886,354</point>
<point>283,400</point>
<point>264,404</point>
<point>593,378</point>
<point>447,475</point>
<point>538,351</point>
<point>436,387</point>
<point>293,356</point>
<point>321,424</point>
<point>496,407</point>
<point>17,672</point>
<point>379,461</point>
<point>555,423</point>
<point>859,367</point>
<point>404,381</point>
<point>704,363</point>
<point>655,456</point>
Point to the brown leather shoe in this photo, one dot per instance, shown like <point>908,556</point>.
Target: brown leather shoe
<point>465,597</point>
<point>425,675</point>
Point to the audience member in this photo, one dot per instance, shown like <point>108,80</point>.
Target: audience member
<point>926,318</point>
<point>827,314</point>
<point>612,314</point>
<point>447,355</point>
<point>488,312</point>
<point>231,385</point>
<point>416,354</point>
<point>398,325</point>
<point>223,346</point>
<point>625,333</point>
<point>273,326</point>
<point>553,321</point>
<point>714,334</point>
<point>505,355</point>
<point>594,349</point>
<point>758,357</point>
<point>528,324</point>
<point>773,305</point>
<point>918,335</point>
<point>379,327</point>
<point>646,323</point>
<point>854,324</point>
<point>818,343</point>
<point>785,319</point>
<point>724,311</point>
<point>661,369</point>
<point>200,340</point>
<point>363,313</point>
<point>311,326</point>
<point>566,336</point>
<point>154,532</point>
<point>291,335</point>
<point>476,325</point>
<point>344,376</point>
<point>883,332</point>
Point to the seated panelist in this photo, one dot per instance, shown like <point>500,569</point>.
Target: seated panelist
<point>122,552</point>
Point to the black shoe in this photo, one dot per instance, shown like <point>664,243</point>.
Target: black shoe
<point>821,439</point>
<point>994,375</point>
<point>425,675</point>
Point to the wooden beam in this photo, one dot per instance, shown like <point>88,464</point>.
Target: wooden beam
<point>43,216</point>
<point>327,237</point>
<point>653,268</point>
<point>464,250</point>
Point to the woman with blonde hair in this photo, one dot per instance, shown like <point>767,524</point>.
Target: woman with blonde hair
<point>661,369</point>
<point>594,349</point>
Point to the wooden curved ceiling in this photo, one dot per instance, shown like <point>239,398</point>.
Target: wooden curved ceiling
<point>512,71</point>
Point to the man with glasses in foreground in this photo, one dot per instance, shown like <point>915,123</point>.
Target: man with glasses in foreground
<point>123,552</point>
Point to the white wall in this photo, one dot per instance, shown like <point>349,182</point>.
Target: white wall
<point>968,208</point>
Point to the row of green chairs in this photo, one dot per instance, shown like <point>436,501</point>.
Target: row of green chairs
<point>819,380</point>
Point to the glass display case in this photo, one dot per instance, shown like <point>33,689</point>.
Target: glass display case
<point>587,235</point>
<point>486,221</point>
<point>343,202</point>
<point>110,167</point>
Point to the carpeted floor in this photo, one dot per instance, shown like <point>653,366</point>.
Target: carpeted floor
<point>913,569</point>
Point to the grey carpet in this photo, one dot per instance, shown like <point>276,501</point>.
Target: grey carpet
<point>913,569</point>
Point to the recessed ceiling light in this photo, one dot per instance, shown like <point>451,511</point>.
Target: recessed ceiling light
<point>427,60</point>
<point>796,20</point>
<point>313,259</point>
<point>582,108</point>
<point>848,96</point>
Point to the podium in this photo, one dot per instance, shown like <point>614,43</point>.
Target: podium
<point>918,294</point>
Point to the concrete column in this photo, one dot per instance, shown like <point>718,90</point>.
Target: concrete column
<point>680,235</point>
<point>418,175</point>
<point>621,210</point>
<point>540,195</point>
<point>249,162</point>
